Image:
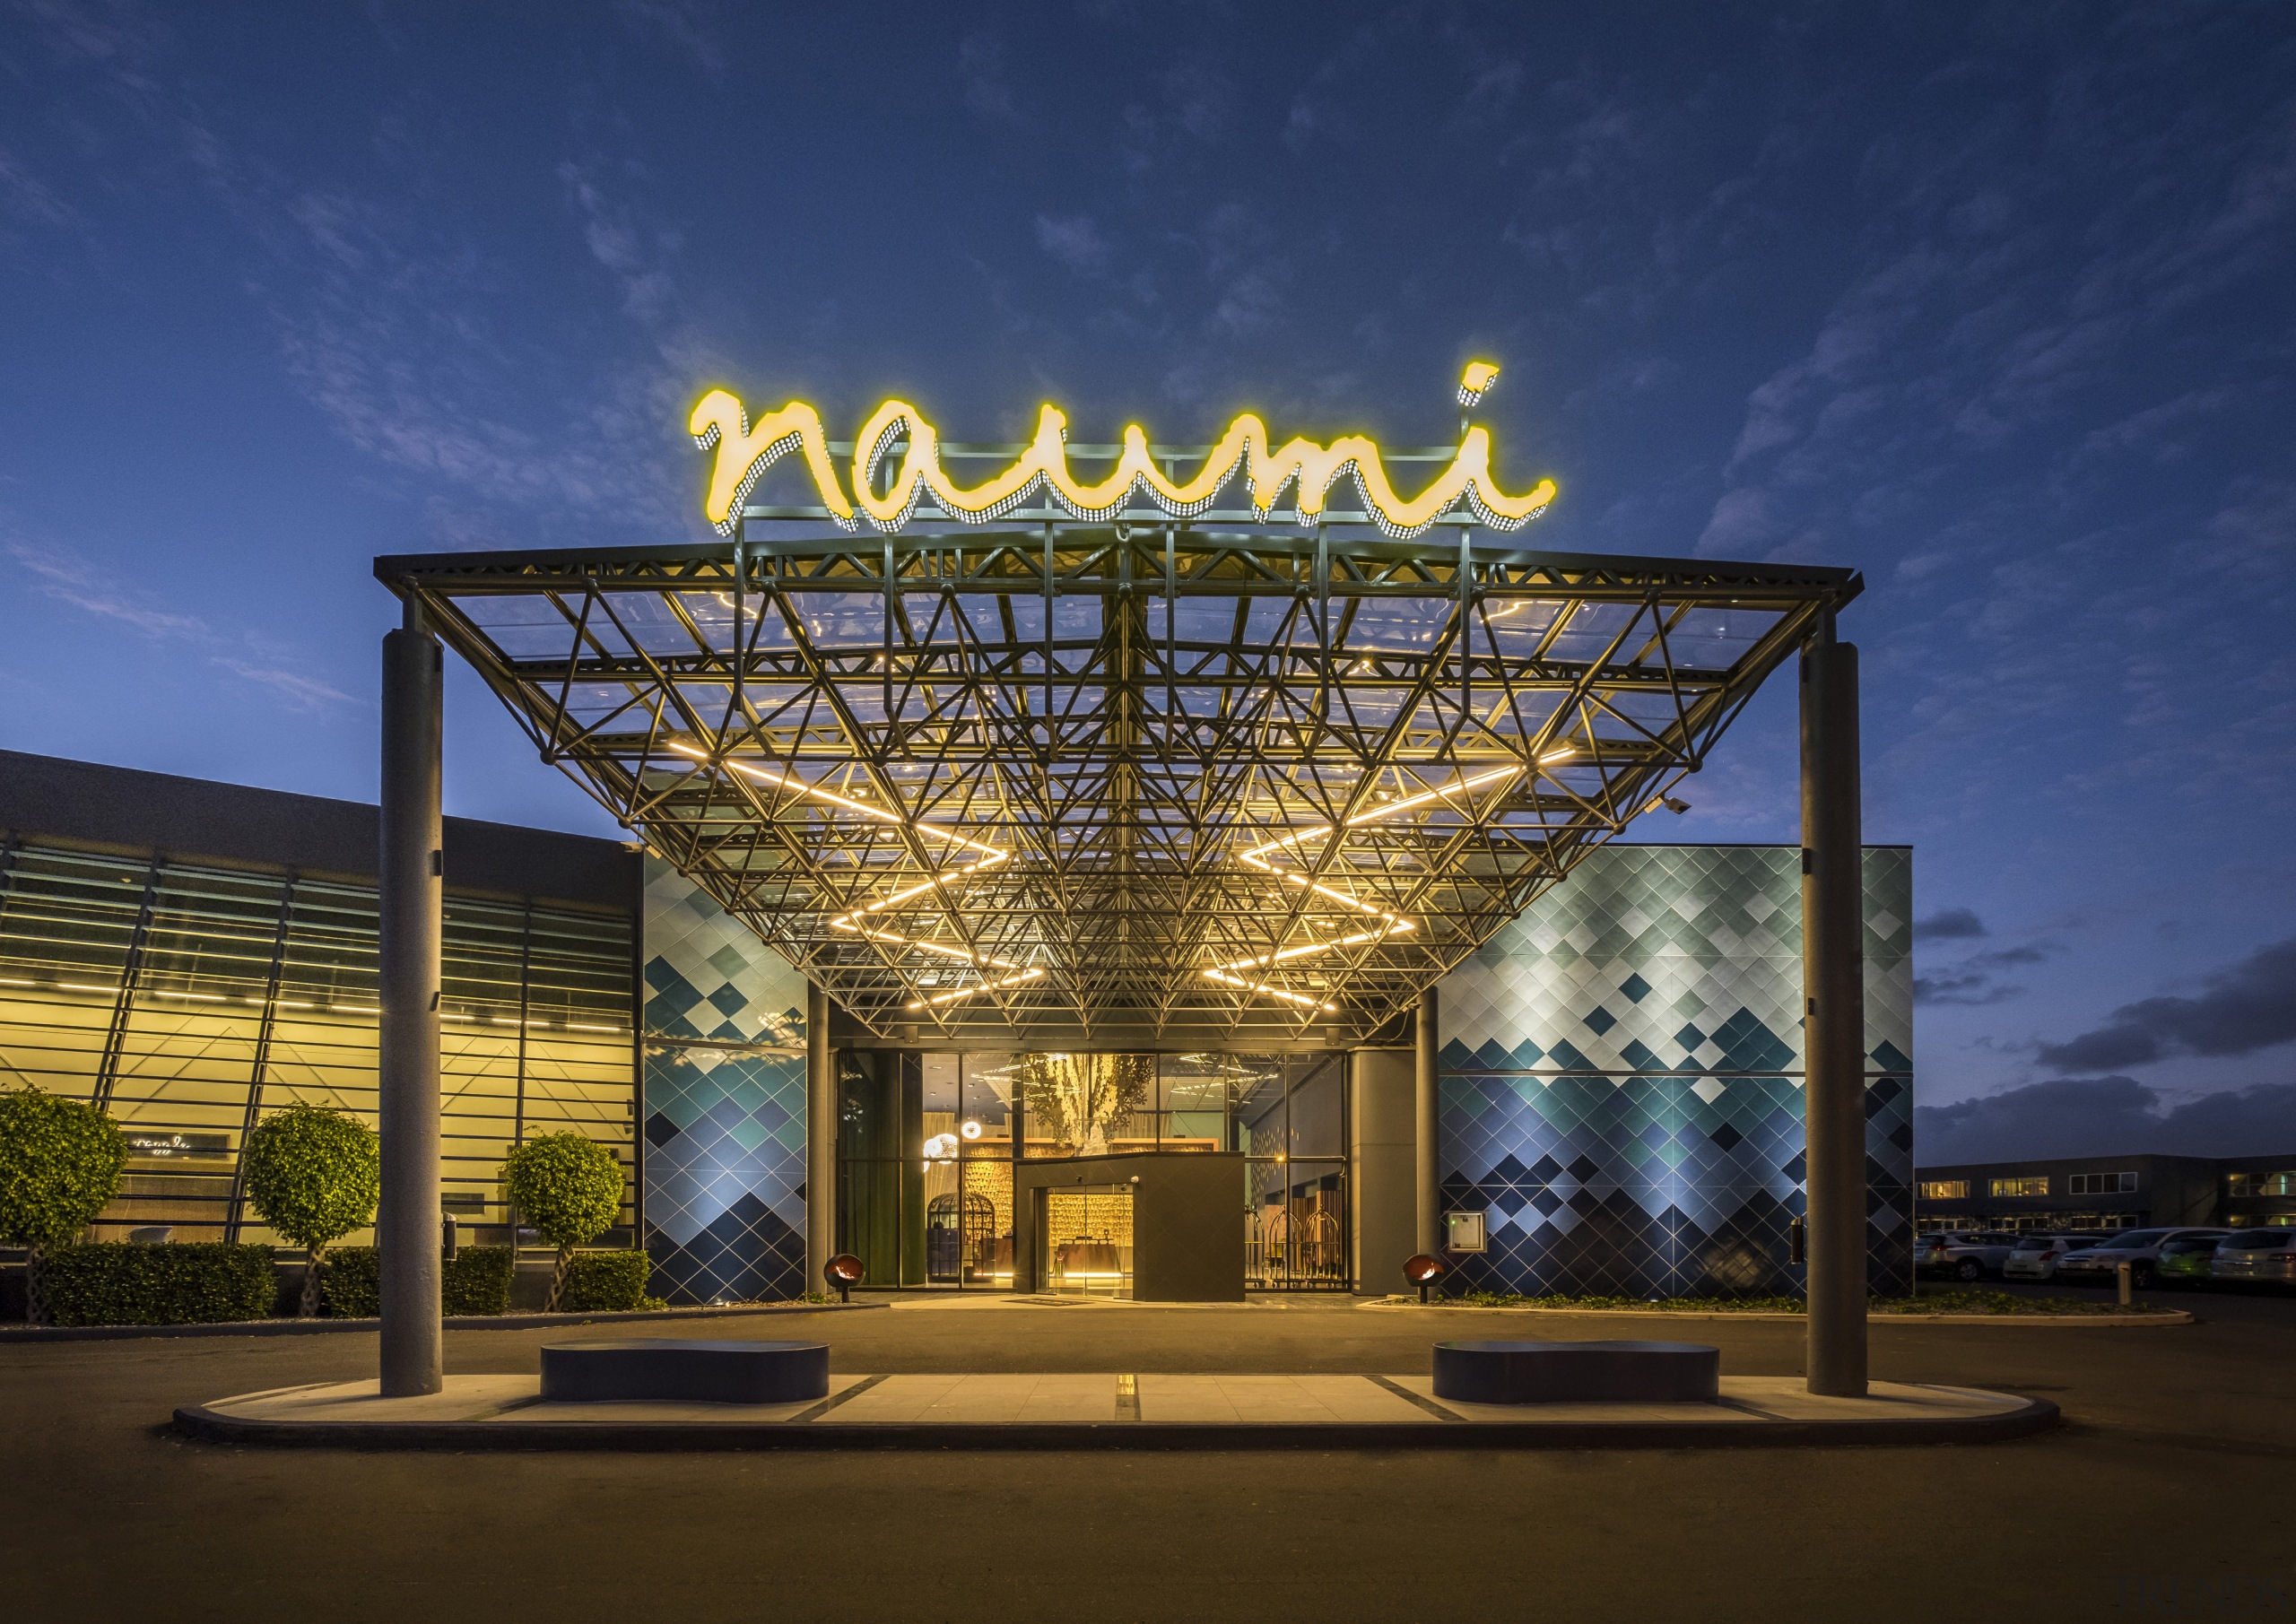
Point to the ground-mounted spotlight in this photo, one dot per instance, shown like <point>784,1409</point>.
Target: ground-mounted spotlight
<point>1424,1272</point>
<point>844,1272</point>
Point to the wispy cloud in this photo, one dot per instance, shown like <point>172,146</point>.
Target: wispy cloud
<point>71,580</point>
<point>988,85</point>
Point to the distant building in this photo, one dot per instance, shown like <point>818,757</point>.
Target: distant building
<point>2107,1192</point>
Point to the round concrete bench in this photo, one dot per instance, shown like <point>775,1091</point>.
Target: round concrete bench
<point>726,1373</point>
<point>1556,1373</point>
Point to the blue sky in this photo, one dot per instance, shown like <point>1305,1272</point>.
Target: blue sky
<point>1995,304</point>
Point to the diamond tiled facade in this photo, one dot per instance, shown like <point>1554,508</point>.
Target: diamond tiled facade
<point>1621,1078</point>
<point>725,1103</point>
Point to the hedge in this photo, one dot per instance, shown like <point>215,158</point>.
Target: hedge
<point>601,1283</point>
<point>475,1281</point>
<point>118,1282</point>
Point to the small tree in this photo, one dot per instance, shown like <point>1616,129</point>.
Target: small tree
<point>313,1175</point>
<point>60,1163</point>
<point>570,1189</point>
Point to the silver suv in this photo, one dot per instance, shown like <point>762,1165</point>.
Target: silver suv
<point>2256,1258</point>
<point>1964,1254</point>
<point>2035,1256</point>
<point>2138,1248</point>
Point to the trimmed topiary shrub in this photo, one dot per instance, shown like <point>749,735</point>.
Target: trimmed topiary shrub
<point>604,1283</point>
<point>60,1163</point>
<point>569,1189</point>
<point>313,1175</point>
<point>194,1283</point>
<point>475,1281</point>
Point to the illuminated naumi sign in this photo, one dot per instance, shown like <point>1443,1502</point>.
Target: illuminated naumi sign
<point>746,450</point>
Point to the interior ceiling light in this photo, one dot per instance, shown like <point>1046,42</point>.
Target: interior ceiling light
<point>720,423</point>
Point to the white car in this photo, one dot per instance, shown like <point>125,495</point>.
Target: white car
<point>2098,1263</point>
<point>2256,1258</point>
<point>2035,1256</point>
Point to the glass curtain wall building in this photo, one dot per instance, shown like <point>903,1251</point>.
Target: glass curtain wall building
<point>190,997</point>
<point>926,1144</point>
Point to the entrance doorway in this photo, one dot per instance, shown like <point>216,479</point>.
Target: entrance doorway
<point>1087,1233</point>
<point>928,1143</point>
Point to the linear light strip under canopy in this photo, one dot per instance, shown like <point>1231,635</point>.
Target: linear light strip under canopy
<point>1112,874</point>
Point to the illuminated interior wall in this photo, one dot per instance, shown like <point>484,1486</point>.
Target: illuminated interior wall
<point>1622,1077</point>
<point>725,1102</point>
<point>192,1001</point>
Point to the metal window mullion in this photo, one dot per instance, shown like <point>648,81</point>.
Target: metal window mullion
<point>130,973</point>
<point>235,1212</point>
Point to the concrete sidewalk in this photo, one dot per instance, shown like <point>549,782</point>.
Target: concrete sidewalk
<point>1104,1411</point>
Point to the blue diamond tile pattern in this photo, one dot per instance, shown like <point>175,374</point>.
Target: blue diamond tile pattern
<point>1657,1150</point>
<point>725,1112</point>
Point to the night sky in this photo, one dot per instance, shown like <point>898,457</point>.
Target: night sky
<point>1995,304</point>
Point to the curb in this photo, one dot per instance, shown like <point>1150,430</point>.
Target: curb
<point>475,1321</point>
<point>2175,1317</point>
<point>204,1424</point>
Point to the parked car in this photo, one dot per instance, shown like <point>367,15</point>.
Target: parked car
<point>1964,1254</point>
<point>2186,1262</point>
<point>2035,1256</point>
<point>2256,1258</point>
<point>2140,1249</point>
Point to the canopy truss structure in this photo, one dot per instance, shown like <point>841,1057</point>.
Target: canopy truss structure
<point>1100,783</point>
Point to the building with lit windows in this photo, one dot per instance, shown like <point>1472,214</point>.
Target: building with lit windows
<point>1619,1073</point>
<point>2107,1192</point>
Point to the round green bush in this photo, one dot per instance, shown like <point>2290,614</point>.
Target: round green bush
<point>313,1175</point>
<point>60,1163</point>
<point>568,1189</point>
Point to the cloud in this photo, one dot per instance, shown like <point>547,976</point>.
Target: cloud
<point>618,242</point>
<point>68,580</point>
<point>23,194</point>
<point>2245,1007</point>
<point>1073,242</point>
<point>305,693</point>
<point>1948,925</point>
<point>980,69</point>
<point>681,24</point>
<point>1977,980</point>
<point>1199,99</point>
<point>2108,1115</point>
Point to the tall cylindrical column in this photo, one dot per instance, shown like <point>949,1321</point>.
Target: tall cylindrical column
<point>1833,1030</point>
<point>821,1142</point>
<point>412,873</point>
<point>1427,1234</point>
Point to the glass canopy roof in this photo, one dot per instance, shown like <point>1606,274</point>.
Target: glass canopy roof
<point>1111,783</point>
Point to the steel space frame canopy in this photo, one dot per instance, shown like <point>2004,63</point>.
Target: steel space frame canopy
<point>1111,783</point>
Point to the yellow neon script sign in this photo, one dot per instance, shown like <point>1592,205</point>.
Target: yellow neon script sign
<point>744,452</point>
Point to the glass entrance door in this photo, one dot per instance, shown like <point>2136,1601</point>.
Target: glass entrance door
<point>1087,1233</point>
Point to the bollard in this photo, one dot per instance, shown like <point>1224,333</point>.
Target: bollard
<point>2127,1278</point>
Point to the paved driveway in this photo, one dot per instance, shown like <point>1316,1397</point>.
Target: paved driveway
<point>2191,1431</point>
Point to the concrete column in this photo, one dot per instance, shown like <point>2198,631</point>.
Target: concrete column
<point>821,1142</point>
<point>1426,1232</point>
<point>412,873</point>
<point>1383,1154</point>
<point>1834,1035</point>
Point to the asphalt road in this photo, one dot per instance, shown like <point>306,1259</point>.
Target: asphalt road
<point>2168,1490</point>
